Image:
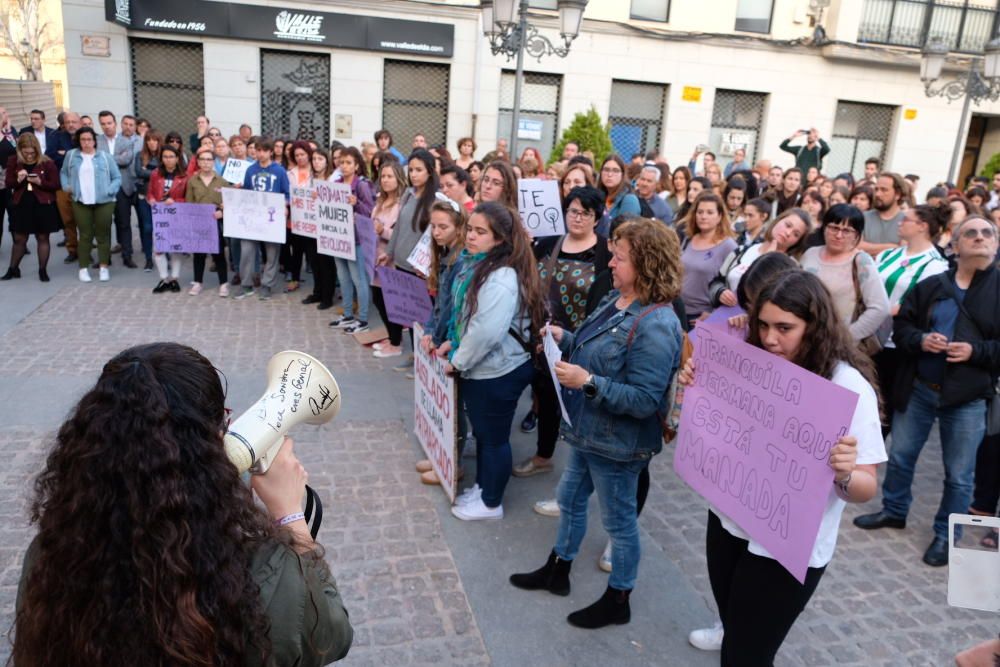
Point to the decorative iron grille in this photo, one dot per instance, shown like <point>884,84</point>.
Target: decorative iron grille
<point>737,118</point>
<point>295,96</point>
<point>415,101</point>
<point>860,131</point>
<point>636,116</point>
<point>964,25</point>
<point>540,95</point>
<point>168,83</point>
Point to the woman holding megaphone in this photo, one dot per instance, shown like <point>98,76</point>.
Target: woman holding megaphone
<point>151,550</point>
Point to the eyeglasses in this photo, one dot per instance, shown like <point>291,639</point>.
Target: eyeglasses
<point>492,181</point>
<point>985,232</point>
<point>215,134</point>
<point>841,231</point>
<point>579,213</point>
<point>610,170</point>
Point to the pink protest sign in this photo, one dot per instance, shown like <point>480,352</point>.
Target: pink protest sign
<point>721,317</point>
<point>406,297</point>
<point>754,439</point>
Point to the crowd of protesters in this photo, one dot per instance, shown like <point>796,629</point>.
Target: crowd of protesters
<point>848,277</point>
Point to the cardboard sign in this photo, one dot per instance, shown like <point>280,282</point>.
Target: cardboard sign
<point>235,170</point>
<point>367,240</point>
<point>420,257</point>
<point>541,207</point>
<point>435,419</point>
<point>720,316</point>
<point>552,355</point>
<point>184,227</point>
<point>335,220</point>
<point>302,211</point>
<point>406,297</point>
<point>754,439</point>
<point>253,215</point>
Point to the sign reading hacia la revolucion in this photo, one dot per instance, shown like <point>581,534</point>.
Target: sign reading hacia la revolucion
<point>280,24</point>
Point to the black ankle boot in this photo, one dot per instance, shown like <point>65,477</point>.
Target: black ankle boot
<point>612,608</point>
<point>12,272</point>
<point>43,275</point>
<point>553,577</point>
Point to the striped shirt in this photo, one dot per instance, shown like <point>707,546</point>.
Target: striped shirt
<point>899,272</point>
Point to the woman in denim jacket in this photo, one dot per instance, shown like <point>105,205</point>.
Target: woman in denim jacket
<point>620,365</point>
<point>497,303</point>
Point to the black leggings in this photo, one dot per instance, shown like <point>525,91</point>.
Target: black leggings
<point>758,598</point>
<point>324,274</point>
<point>298,248</point>
<point>549,415</point>
<point>886,365</point>
<point>221,268</point>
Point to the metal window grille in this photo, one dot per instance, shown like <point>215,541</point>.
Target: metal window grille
<point>650,10</point>
<point>415,101</point>
<point>636,116</point>
<point>860,131</point>
<point>540,95</point>
<point>964,25</point>
<point>168,83</point>
<point>295,96</point>
<point>737,118</point>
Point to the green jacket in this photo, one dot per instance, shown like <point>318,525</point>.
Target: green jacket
<point>297,593</point>
<point>806,157</point>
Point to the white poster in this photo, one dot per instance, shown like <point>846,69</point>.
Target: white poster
<point>253,215</point>
<point>553,355</point>
<point>235,170</point>
<point>302,210</point>
<point>435,419</point>
<point>420,257</point>
<point>334,220</point>
<point>540,206</point>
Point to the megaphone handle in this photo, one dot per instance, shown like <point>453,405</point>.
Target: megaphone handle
<point>314,508</point>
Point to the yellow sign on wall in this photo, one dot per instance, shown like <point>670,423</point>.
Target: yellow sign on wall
<point>691,94</point>
<point>909,114</point>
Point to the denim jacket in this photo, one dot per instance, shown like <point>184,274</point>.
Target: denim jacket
<point>621,422</point>
<point>437,323</point>
<point>107,177</point>
<point>625,203</point>
<point>487,349</point>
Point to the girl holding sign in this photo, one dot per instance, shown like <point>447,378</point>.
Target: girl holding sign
<point>205,187</point>
<point>323,266</point>
<point>354,278</point>
<point>758,599</point>
<point>392,181</point>
<point>496,303</point>
<point>168,184</point>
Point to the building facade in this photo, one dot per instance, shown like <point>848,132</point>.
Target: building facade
<point>667,74</point>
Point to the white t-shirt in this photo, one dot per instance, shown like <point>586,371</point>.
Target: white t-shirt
<point>40,135</point>
<point>742,266</point>
<point>866,427</point>
<point>88,193</point>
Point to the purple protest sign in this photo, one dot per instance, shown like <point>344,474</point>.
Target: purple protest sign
<point>406,297</point>
<point>721,317</point>
<point>364,235</point>
<point>185,228</point>
<point>754,439</point>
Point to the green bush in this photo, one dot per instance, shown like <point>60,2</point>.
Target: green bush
<point>991,167</point>
<point>589,133</point>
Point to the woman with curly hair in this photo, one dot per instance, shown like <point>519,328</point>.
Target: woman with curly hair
<point>758,599</point>
<point>150,549</point>
<point>618,366</point>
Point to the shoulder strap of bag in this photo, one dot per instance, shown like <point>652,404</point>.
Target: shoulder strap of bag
<point>950,289</point>
<point>635,325</point>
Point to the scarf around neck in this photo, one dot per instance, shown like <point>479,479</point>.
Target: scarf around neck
<point>459,287</point>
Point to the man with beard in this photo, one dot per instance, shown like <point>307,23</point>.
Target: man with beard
<point>882,221</point>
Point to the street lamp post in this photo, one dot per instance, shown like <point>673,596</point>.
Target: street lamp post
<point>505,24</point>
<point>974,87</point>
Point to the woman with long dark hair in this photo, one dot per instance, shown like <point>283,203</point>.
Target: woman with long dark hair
<point>168,184</point>
<point>323,266</point>
<point>758,599</point>
<point>497,303</point>
<point>499,184</point>
<point>128,567</point>
<point>32,180</point>
<point>619,198</point>
<point>414,216</point>
<point>146,161</point>
<point>354,279</point>
<point>391,188</point>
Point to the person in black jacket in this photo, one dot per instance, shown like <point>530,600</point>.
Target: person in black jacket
<point>948,336</point>
<point>8,147</point>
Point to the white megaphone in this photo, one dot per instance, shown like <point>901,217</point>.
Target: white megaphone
<point>300,390</point>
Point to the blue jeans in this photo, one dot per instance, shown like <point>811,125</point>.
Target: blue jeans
<point>358,280</point>
<point>490,405</point>
<point>616,484</point>
<point>961,428</point>
<point>145,215</point>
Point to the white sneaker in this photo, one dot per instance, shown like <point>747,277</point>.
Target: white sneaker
<point>547,507</point>
<point>476,510</point>
<point>84,275</point>
<point>707,639</point>
<point>105,274</point>
<point>471,493</point>
<point>224,290</point>
<point>604,562</point>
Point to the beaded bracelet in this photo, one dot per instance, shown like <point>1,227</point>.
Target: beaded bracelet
<point>291,518</point>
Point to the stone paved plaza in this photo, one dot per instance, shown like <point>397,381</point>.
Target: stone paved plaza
<point>423,588</point>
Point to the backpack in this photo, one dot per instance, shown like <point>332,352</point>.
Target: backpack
<point>670,421</point>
